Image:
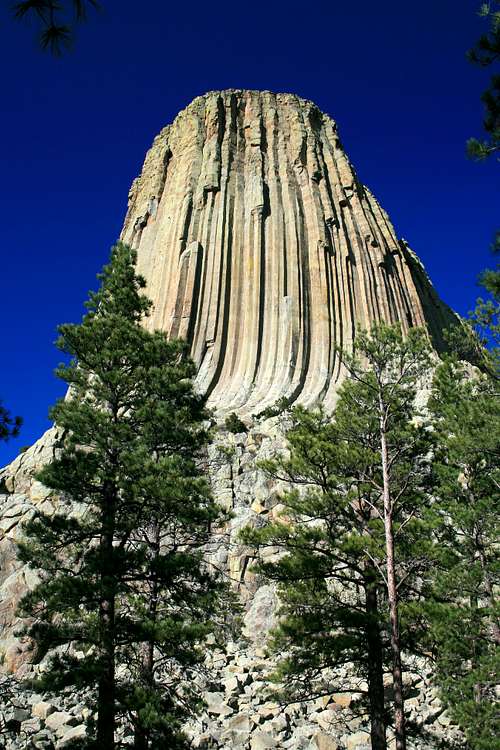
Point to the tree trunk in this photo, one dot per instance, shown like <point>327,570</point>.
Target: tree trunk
<point>141,739</point>
<point>392,592</point>
<point>142,734</point>
<point>106,685</point>
<point>375,666</point>
<point>476,649</point>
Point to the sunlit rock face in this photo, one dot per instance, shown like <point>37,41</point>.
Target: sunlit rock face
<point>262,249</point>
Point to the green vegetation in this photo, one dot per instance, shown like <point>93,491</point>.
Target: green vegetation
<point>9,425</point>
<point>388,533</point>
<point>478,339</point>
<point>355,539</point>
<point>55,20</point>
<point>234,424</point>
<point>486,321</point>
<point>390,536</point>
<point>123,578</point>
<point>227,451</point>
<point>486,52</point>
<point>279,407</point>
<point>462,610</point>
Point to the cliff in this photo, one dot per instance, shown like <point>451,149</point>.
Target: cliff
<point>261,247</point>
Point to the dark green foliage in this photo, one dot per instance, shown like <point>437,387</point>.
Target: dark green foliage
<point>55,20</point>
<point>332,575</point>
<point>123,574</point>
<point>322,533</point>
<point>234,424</point>
<point>280,406</point>
<point>485,53</point>
<point>9,425</point>
<point>486,320</point>
<point>462,609</point>
<point>479,342</point>
<point>227,451</point>
<point>478,339</point>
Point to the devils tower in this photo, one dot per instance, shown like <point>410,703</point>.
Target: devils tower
<point>261,247</point>
<point>264,251</point>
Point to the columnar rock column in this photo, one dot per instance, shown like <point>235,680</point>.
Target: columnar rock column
<point>262,249</point>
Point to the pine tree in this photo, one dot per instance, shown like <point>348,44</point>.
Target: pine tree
<point>122,573</point>
<point>477,340</point>
<point>486,52</point>
<point>462,609</point>
<point>56,20</point>
<point>486,320</point>
<point>354,537</point>
<point>9,425</point>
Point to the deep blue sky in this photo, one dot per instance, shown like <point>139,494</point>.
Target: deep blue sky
<point>74,132</point>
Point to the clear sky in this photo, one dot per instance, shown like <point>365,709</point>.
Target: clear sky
<point>74,132</point>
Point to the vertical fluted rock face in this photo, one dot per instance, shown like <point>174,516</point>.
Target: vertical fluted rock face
<point>261,248</point>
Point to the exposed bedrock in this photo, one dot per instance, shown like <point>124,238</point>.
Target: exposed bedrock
<point>262,249</point>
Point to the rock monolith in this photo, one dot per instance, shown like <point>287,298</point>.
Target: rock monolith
<point>262,248</point>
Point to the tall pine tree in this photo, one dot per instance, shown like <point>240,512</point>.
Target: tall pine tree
<point>122,572</point>
<point>354,537</point>
<point>462,609</point>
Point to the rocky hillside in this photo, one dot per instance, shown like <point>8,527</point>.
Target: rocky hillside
<point>240,711</point>
<point>261,248</point>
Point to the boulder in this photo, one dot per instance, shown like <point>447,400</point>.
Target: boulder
<point>58,719</point>
<point>262,741</point>
<point>73,733</point>
<point>358,741</point>
<point>43,709</point>
<point>325,741</point>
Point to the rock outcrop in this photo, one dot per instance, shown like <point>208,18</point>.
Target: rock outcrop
<point>259,246</point>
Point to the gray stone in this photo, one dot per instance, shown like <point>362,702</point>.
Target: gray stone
<point>43,709</point>
<point>18,714</point>
<point>30,726</point>
<point>58,719</point>
<point>240,723</point>
<point>262,741</point>
<point>275,725</point>
<point>325,742</point>
<point>261,615</point>
<point>216,704</point>
<point>358,741</point>
<point>73,733</point>
<point>41,741</point>
<point>34,698</point>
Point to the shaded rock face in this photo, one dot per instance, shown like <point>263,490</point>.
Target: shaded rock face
<point>263,250</point>
<point>259,246</point>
